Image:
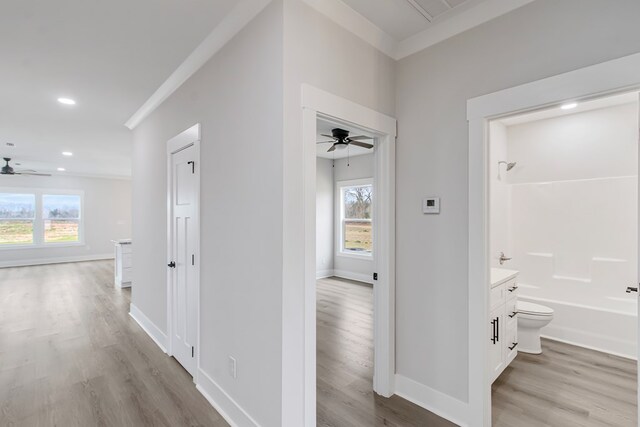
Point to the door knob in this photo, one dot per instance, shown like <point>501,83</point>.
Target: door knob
<point>631,289</point>
<point>172,264</point>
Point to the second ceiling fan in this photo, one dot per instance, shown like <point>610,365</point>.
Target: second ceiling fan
<point>341,139</point>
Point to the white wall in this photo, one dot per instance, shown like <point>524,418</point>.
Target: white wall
<point>237,98</point>
<point>539,40</point>
<point>573,209</point>
<point>107,216</point>
<point>324,217</point>
<point>353,267</point>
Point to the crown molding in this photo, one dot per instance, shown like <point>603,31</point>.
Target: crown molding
<point>231,25</point>
<point>352,21</point>
<point>440,30</point>
<point>456,24</point>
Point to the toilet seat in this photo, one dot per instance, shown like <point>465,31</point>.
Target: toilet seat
<point>531,309</point>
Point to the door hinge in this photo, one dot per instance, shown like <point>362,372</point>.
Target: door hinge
<point>193,166</point>
<point>193,351</point>
<point>375,276</point>
<point>193,259</point>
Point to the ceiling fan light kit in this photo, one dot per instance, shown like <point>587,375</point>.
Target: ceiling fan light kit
<point>342,140</point>
<point>8,170</point>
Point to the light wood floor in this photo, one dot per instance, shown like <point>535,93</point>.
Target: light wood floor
<point>70,355</point>
<point>566,386</point>
<point>345,363</point>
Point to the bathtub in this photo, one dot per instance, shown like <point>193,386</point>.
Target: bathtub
<point>604,329</point>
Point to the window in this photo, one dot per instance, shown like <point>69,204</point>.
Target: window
<point>61,217</point>
<point>356,231</point>
<point>36,218</point>
<point>17,217</point>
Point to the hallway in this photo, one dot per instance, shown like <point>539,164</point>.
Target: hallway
<point>70,355</point>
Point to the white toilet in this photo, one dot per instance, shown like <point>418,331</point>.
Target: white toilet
<point>531,318</point>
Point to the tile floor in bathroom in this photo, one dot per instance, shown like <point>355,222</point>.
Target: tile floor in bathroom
<point>566,386</point>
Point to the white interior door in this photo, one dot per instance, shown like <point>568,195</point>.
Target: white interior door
<point>184,247</point>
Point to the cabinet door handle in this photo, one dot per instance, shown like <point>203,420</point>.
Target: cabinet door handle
<point>515,344</point>
<point>512,315</point>
<point>493,331</point>
<point>513,289</point>
<point>498,329</point>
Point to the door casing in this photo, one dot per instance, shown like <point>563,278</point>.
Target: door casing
<point>320,104</point>
<point>596,81</point>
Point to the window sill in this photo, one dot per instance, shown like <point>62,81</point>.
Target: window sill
<point>40,246</point>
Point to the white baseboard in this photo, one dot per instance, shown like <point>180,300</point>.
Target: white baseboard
<point>55,260</point>
<point>432,400</point>
<point>223,403</point>
<point>359,277</point>
<point>149,327</point>
<point>323,274</point>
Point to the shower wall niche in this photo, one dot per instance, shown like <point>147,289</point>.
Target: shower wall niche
<point>567,214</point>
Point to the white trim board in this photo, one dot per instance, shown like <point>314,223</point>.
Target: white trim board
<point>226,406</point>
<point>439,403</point>
<point>55,260</point>
<point>149,327</point>
<point>232,24</point>
<point>608,78</point>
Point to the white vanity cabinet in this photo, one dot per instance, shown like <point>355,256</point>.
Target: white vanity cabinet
<point>123,267</point>
<point>503,320</point>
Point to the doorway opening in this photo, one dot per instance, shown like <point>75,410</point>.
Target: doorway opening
<point>344,262</point>
<point>563,238</point>
<point>183,248</point>
<point>610,78</point>
<point>320,109</point>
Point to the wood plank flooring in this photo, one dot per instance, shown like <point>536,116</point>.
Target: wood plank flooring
<point>345,396</point>
<point>566,386</point>
<point>70,355</point>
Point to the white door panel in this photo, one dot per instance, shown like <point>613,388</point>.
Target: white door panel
<point>184,233</point>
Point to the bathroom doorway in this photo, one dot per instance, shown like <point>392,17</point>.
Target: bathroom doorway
<point>563,238</point>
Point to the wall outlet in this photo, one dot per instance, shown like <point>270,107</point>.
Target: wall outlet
<point>233,368</point>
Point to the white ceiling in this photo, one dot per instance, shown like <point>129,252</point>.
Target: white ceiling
<point>109,56</point>
<point>324,127</point>
<point>582,106</point>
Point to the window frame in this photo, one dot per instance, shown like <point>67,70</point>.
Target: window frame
<point>38,221</point>
<point>340,219</point>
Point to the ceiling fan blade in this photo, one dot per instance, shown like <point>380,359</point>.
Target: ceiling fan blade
<point>325,142</point>
<point>333,147</point>
<point>353,138</point>
<point>32,173</point>
<point>328,136</point>
<point>361,144</point>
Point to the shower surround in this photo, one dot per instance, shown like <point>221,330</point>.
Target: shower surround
<point>568,215</point>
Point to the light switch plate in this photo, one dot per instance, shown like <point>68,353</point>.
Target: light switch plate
<point>431,205</point>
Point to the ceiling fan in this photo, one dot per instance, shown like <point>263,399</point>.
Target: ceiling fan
<point>8,170</point>
<point>341,139</point>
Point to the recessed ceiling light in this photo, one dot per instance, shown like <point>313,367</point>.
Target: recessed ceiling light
<point>66,101</point>
<point>61,169</point>
<point>67,153</point>
<point>569,106</point>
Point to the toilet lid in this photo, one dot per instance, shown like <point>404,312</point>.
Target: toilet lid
<point>531,308</point>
